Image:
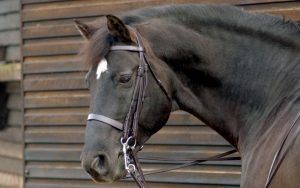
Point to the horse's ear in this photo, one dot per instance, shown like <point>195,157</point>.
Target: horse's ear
<point>85,30</point>
<point>117,28</point>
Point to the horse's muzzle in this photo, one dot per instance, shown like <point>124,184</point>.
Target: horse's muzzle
<point>99,168</point>
<point>96,166</point>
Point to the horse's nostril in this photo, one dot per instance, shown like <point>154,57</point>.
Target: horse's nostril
<point>99,164</point>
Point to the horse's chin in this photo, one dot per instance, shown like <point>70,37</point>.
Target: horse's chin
<point>109,179</point>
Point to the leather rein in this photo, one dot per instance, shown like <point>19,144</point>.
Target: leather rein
<point>130,126</point>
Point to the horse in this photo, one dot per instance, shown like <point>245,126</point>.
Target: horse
<point>236,71</point>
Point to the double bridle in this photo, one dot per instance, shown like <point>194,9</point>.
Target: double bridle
<point>130,126</point>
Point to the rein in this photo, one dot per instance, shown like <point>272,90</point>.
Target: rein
<point>130,126</point>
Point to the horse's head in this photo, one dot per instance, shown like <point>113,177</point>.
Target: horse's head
<point>111,80</point>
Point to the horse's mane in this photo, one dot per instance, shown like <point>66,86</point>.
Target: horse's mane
<point>189,14</point>
<point>224,17</point>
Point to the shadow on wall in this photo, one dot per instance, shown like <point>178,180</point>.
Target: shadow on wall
<point>3,109</point>
<point>3,95</point>
<point>2,53</point>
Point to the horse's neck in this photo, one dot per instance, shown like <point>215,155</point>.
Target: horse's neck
<point>221,79</point>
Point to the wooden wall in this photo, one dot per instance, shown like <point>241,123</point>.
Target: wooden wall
<point>9,29</point>
<point>56,101</point>
<point>11,147</point>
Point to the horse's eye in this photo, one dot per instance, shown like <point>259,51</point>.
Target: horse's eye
<point>124,79</point>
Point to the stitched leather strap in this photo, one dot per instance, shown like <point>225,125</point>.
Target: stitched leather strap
<point>106,120</point>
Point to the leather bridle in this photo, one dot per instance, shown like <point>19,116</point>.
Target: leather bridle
<point>130,126</point>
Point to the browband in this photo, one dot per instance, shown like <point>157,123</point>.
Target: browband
<point>106,120</point>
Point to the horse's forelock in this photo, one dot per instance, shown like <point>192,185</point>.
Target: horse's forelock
<point>97,47</point>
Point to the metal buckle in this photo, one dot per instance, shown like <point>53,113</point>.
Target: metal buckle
<point>127,146</point>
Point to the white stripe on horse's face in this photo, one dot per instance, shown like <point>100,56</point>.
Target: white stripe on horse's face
<point>102,67</point>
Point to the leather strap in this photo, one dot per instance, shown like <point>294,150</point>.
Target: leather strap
<point>189,162</point>
<point>106,120</point>
<point>127,48</point>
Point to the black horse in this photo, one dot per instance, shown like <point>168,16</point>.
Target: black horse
<point>238,72</point>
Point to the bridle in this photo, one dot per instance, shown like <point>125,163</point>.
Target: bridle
<point>130,126</point>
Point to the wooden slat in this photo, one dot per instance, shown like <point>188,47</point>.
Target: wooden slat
<point>55,135</point>
<point>70,81</point>
<point>12,134</point>
<point>49,31</point>
<point>10,72</point>
<point>8,38</point>
<point>57,99</point>
<point>9,21</point>
<point>14,102</point>
<point>13,87</point>
<point>60,47</point>
<point>52,64</point>
<point>202,1</point>
<point>13,54</point>
<point>8,180</point>
<point>8,149</point>
<point>11,165</point>
<point>56,22</point>
<point>2,53</point>
<point>38,1</point>
<point>194,174</point>
<point>57,183</point>
<point>9,6</point>
<point>48,117</point>
<point>14,118</point>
